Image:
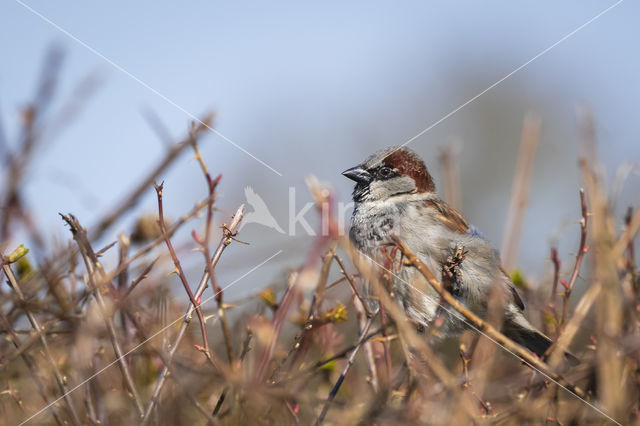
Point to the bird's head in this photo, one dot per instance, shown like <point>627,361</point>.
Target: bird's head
<point>388,173</point>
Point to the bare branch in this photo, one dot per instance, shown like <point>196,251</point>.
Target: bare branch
<point>224,242</point>
<point>93,270</point>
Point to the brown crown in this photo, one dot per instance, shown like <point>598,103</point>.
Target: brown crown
<point>409,164</point>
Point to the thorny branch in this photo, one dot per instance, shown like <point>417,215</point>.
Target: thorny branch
<point>224,242</point>
<point>181,275</point>
<point>344,371</point>
<point>93,270</point>
<point>211,185</point>
<point>132,198</point>
<point>582,249</point>
<point>32,371</point>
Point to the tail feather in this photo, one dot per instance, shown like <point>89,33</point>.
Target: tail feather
<point>533,340</point>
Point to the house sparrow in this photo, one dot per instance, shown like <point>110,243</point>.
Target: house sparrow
<point>395,195</point>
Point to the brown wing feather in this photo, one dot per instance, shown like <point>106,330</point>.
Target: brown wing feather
<point>451,218</point>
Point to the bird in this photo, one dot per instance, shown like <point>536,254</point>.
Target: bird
<point>260,213</point>
<point>395,197</point>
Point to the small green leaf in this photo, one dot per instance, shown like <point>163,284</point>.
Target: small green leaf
<point>518,279</point>
<point>17,253</point>
<point>336,314</point>
<point>329,366</point>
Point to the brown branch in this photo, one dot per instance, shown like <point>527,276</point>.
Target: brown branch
<point>143,275</point>
<point>631,253</point>
<point>144,337</point>
<point>224,242</point>
<point>287,300</point>
<point>160,239</point>
<point>132,199</point>
<point>345,370</point>
<point>465,356</point>
<point>362,307</point>
<point>633,225</point>
<point>582,249</point>
<point>571,327</point>
<point>312,315</point>
<point>45,345</point>
<point>93,269</point>
<point>556,279</point>
<point>33,337</point>
<point>246,347</point>
<point>181,275</point>
<point>31,366</point>
<point>520,190</point>
<point>212,185</point>
<point>363,316</point>
<point>123,277</point>
<point>339,355</point>
<point>354,286</point>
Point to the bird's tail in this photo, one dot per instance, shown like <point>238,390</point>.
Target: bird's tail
<point>531,338</point>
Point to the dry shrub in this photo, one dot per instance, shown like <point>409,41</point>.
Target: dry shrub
<point>87,342</point>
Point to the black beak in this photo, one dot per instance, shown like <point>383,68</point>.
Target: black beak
<point>358,174</point>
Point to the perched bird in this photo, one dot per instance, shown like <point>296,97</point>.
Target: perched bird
<point>395,195</point>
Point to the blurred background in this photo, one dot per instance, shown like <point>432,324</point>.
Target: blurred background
<point>314,89</point>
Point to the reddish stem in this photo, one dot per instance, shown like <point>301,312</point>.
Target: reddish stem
<point>183,278</point>
<point>583,248</point>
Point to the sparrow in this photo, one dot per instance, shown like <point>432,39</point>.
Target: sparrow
<point>394,194</point>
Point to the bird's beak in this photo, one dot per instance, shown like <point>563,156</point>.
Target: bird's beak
<point>358,174</point>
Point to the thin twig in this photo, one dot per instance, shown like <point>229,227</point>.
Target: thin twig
<point>363,316</point>
<point>160,239</point>
<point>556,279</point>
<point>211,185</point>
<point>312,315</point>
<point>633,225</point>
<point>224,242</point>
<point>344,371</point>
<point>246,347</point>
<point>144,274</point>
<point>520,190</point>
<point>582,249</point>
<point>132,199</point>
<point>45,345</point>
<point>144,336</point>
<point>31,367</point>
<point>354,287</point>
<point>93,269</point>
<point>182,276</point>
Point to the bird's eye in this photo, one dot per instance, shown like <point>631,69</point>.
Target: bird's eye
<point>385,172</point>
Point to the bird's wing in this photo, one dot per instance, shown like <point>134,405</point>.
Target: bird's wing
<point>451,217</point>
<point>454,220</point>
<point>516,296</point>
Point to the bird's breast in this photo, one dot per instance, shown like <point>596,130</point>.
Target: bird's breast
<point>372,227</point>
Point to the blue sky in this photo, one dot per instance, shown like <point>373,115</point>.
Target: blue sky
<point>313,88</point>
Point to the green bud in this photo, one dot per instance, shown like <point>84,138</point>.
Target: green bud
<point>17,253</point>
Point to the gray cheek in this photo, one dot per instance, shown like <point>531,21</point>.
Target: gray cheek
<point>380,190</point>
